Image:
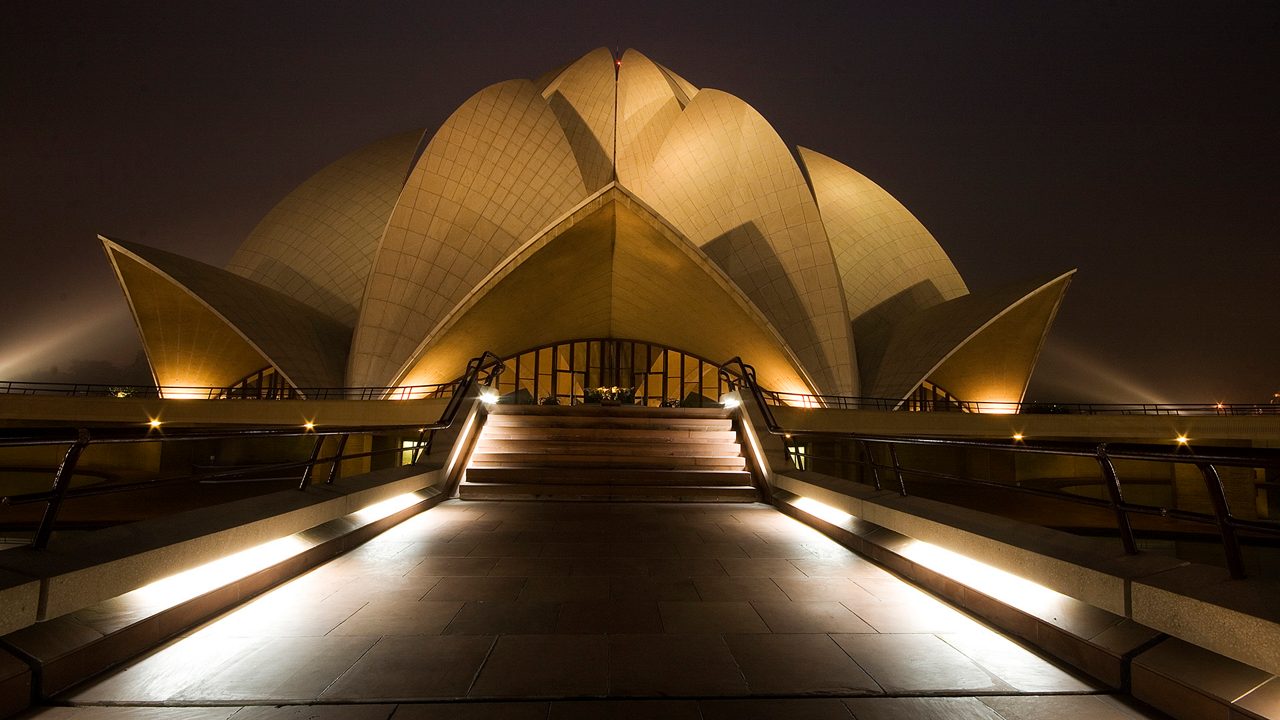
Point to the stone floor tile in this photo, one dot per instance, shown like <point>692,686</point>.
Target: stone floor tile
<point>710,617</point>
<point>610,567</point>
<point>401,588</point>
<point>1063,707</point>
<point>500,617</point>
<point>836,589</point>
<point>672,665</point>
<point>684,567</point>
<point>277,669</point>
<point>579,588</point>
<point>476,588</point>
<point>922,708</point>
<point>612,617</point>
<point>625,710</point>
<point>760,567</point>
<point>446,567</point>
<point>413,668</point>
<point>931,617</point>
<point>532,567</point>
<point>798,665</point>
<point>779,709</point>
<point>473,711</point>
<point>647,588</point>
<point>507,548</point>
<point>452,548</point>
<point>739,588</point>
<point>398,617</point>
<point>1016,665</point>
<point>163,673</point>
<point>784,550</point>
<point>94,712</point>
<point>809,617</point>
<point>852,566</point>
<point>917,663</point>
<point>545,666</point>
<point>713,550</point>
<point>316,712</point>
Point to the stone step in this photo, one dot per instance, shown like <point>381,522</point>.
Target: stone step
<point>598,434</point>
<point>731,462</point>
<point>626,493</point>
<point>605,476</point>
<point>600,411</point>
<point>492,446</point>
<point>585,421</point>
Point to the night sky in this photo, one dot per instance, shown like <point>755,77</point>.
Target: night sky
<point>1138,142</point>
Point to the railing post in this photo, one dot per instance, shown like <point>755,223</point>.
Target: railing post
<point>1117,501</point>
<point>1218,498</point>
<point>311,464</point>
<point>417,448</point>
<point>61,483</point>
<point>871,461</point>
<point>897,469</point>
<point>337,459</point>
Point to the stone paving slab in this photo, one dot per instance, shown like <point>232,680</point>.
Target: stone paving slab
<point>735,611</point>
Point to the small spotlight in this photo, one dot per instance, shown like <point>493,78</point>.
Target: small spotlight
<point>1182,439</point>
<point>731,403</point>
<point>309,425</point>
<point>155,424</point>
<point>489,397</point>
<point>1017,437</point>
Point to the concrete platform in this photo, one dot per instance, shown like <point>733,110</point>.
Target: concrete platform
<point>553,610</point>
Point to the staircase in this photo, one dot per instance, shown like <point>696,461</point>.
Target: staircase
<point>590,452</point>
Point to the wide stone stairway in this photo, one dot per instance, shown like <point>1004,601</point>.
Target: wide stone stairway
<point>590,452</point>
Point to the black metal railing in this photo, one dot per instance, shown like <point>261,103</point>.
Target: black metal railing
<point>193,392</point>
<point>484,370</point>
<point>884,469</point>
<point>854,402</point>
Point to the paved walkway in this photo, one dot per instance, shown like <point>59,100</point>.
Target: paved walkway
<point>544,610</point>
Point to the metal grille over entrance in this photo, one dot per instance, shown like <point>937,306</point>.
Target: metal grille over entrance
<point>562,372</point>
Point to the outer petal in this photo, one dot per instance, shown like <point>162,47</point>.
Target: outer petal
<point>318,243</point>
<point>583,97</point>
<point>980,347</point>
<point>647,108</point>
<point>497,172</point>
<point>727,181</point>
<point>890,266</point>
<point>610,268</point>
<point>203,326</point>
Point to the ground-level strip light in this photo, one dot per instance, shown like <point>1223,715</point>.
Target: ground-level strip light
<point>382,509</point>
<point>823,510</point>
<point>208,577</point>
<point>1026,595</point>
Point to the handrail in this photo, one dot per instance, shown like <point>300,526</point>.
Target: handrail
<point>483,369</point>
<point>742,376</point>
<point>203,392</point>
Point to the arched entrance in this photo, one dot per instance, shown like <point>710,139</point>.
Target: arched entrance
<point>562,372</point>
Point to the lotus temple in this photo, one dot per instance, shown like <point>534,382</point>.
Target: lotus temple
<point>600,400</point>
<point>606,224</point>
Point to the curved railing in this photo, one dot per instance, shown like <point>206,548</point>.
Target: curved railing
<point>194,392</point>
<point>877,456</point>
<point>483,370</point>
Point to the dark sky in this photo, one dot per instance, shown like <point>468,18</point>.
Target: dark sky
<point>1138,142</point>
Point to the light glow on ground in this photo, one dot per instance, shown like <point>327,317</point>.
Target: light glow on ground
<point>823,510</point>
<point>1006,587</point>
<point>204,578</point>
<point>379,510</point>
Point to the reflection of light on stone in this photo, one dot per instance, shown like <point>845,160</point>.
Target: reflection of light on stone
<point>379,510</point>
<point>1007,588</point>
<point>822,510</point>
<point>211,576</point>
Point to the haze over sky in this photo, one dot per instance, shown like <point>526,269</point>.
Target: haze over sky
<point>1136,141</point>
